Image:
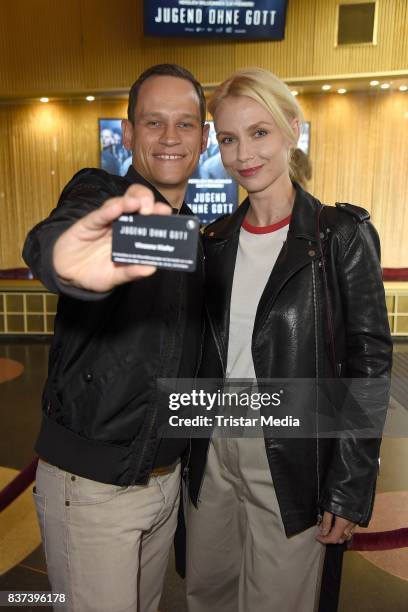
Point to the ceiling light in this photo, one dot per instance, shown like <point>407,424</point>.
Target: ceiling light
<point>374,83</point>
<point>90,98</point>
<point>294,92</point>
<point>403,87</point>
<point>44,100</point>
<point>385,86</point>
<point>326,87</point>
<point>342,90</point>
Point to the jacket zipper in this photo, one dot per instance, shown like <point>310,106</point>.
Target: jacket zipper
<point>186,467</point>
<point>203,325</point>
<point>217,345</point>
<point>153,419</point>
<point>316,322</point>
<point>224,375</point>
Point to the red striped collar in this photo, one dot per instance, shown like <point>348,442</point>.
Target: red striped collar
<point>265,229</point>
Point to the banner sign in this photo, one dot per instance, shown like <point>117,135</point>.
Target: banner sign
<point>247,19</point>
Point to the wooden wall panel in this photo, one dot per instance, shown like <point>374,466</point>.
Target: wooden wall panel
<point>390,176</point>
<point>126,52</point>
<point>390,53</point>
<point>290,57</point>
<point>342,146</point>
<point>40,47</point>
<point>42,146</point>
<point>57,46</point>
<point>359,151</point>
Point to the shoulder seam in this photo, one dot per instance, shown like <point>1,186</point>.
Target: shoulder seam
<point>345,238</point>
<point>358,212</point>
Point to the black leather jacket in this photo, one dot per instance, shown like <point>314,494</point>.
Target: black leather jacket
<point>101,403</point>
<point>290,340</point>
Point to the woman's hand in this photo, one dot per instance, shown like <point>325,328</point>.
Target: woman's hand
<point>335,529</point>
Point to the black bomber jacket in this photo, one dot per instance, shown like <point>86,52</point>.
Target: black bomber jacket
<point>102,404</point>
<point>290,340</point>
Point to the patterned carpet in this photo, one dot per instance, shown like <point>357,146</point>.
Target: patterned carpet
<point>399,383</point>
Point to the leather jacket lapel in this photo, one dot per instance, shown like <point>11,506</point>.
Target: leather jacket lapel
<point>221,245</point>
<point>298,251</point>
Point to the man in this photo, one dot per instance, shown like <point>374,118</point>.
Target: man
<point>107,487</point>
<point>109,160</point>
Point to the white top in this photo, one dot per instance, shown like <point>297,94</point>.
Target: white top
<point>258,251</point>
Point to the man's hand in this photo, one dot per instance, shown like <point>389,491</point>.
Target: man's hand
<point>82,254</point>
<point>335,529</point>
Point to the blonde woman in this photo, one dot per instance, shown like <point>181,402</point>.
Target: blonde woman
<point>263,510</point>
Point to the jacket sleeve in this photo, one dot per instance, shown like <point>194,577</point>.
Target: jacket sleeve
<point>349,487</point>
<point>87,190</point>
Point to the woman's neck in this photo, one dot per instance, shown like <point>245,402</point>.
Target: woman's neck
<point>273,204</point>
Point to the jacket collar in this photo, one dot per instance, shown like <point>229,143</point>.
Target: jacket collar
<point>302,223</point>
<point>133,176</point>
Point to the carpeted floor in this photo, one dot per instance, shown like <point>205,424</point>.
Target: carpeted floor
<point>400,379</point>
<point>372,582</point>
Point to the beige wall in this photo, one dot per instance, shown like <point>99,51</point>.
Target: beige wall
<point>41,147</point>
<point>358,149</point>
<point>57,46</point>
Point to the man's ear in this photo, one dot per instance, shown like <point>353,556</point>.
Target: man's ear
<point>127,134</point>
<point>204,142</point>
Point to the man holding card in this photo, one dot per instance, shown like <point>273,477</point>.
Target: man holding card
<point>107,486</point>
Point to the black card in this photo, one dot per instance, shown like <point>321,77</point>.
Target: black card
<point>163,241</point>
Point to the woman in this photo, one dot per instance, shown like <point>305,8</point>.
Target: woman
<point>291,294</point>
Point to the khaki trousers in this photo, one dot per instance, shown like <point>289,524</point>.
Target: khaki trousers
<point>106,546</point>
<point>238,556</point>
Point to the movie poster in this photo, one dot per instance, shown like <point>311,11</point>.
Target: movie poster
<point>304,139</point>
<point>211,191</point>
<point>114,158</point>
